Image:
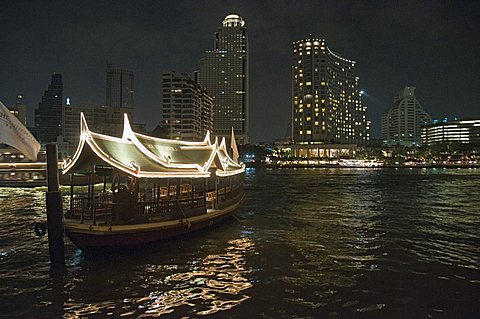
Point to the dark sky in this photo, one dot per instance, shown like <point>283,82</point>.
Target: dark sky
<point>433,45</point>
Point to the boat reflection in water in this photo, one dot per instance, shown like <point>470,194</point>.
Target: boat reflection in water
<point>313,243</point>
<point>214,283</point>
<point>217,285</point>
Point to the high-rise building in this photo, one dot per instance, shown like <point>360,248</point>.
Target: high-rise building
<point>101,119</point>
<point>119,86</point>
<point>187,107</point>
<point>19,109</point>
<point>223,72</point>
<point>326,105</point>
<point>48,116</point>
<point>402,122</point>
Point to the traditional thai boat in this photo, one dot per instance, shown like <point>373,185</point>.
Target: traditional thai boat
<point>152,189</point>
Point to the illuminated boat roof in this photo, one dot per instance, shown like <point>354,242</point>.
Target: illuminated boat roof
<point>149,157</point>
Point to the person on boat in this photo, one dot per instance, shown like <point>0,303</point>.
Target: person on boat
<point>124,199</point>
<point>133,184</point>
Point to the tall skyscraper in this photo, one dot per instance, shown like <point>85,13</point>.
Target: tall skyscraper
<point>223,72</point>
<point>48,116</point>
<point>187,108</point>
<point>326,106</point>
<point>402,122</point>
<point>119,87</point>
<point>19,109</point>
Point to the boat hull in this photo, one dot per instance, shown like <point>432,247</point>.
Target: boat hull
<point>89,237</point>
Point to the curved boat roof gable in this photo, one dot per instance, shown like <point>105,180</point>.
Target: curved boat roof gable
<point>150,157</point>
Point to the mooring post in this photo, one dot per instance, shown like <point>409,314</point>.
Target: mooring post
<point>54,209</point>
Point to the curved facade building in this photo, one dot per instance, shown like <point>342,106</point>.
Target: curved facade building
<point>326,104</point>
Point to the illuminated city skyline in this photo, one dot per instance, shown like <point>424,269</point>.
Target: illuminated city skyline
<point>430,45</point>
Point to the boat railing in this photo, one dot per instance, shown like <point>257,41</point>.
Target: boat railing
<point>226,197</point>
<point>104,208</point>
<point>169,206</point>
<point>223,194</point>
<point>98,210</point>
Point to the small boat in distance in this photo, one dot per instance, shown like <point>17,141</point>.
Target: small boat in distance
<point>18,171</point>
<point>152,189</point>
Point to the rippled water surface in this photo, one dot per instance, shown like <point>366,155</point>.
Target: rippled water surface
<point>310,243</point>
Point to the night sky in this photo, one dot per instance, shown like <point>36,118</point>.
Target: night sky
<point>433,45</point>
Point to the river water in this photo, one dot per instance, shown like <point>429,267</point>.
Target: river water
<point>310,243</point>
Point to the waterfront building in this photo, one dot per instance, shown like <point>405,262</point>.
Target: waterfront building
<point>402,122</point>
<point>326,102</point>
<point>223,72</point>
<point>48,116</point>
<point>187,108</point>
<point>119,87</point>
<point>447,132</point>
<point>19,109</point>
<point>105,120</point>
<point>318,151</point>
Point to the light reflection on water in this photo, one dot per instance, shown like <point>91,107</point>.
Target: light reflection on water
<point>369,242</point>
<point>215,283</point>
<point>323,243</point>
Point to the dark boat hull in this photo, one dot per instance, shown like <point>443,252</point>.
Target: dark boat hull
<point>88,237</point>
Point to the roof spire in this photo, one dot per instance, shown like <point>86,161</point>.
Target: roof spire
<point>207,139</point>
<point>233,146</point>
<point>127,129</point>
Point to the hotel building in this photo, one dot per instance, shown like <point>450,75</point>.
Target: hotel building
<point>187,108</point>
<point>326,105</point>
<point>223,73</point>
<point>402,122</point>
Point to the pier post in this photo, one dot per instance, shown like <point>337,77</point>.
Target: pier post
<point>54,209</point>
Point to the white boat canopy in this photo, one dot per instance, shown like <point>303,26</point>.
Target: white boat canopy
<point>149,157</point>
